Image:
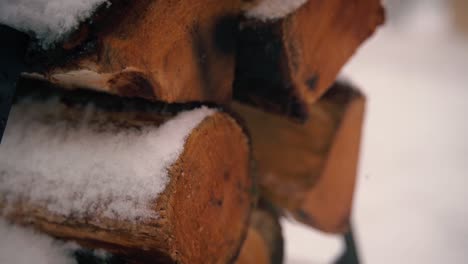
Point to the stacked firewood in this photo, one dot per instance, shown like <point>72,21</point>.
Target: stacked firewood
<point>284,139</point>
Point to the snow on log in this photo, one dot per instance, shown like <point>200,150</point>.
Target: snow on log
<point>285,65</point>
<point>309,169</point>
<point>22,245</point>
<point>111,173</point>
<point>264,242</point>
<point>272,9</point>
<point>170,51</point>
<point>49,21</point>
<point>40,248</point>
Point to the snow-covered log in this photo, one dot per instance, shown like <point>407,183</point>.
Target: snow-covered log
<point>284,64</point>
<point>114,174</point>
<point>309,169</point>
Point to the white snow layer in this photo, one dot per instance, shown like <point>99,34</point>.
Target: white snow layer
<point>83,170</point>
<point>274,9</point>
<point>49,20</point>
<point>20,245</point>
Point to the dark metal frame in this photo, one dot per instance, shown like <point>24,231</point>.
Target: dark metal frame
<point>350,255</point>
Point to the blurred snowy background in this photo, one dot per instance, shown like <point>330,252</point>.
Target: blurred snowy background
<point>411,204</point>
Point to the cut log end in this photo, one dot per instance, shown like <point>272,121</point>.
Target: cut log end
<point>172,45</point>
<point>219,150</point>
<point>328,204</point>
<point>284,66</point>
<point>309,169</point>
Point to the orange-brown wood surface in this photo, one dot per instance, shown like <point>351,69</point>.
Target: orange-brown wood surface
<point>203,212</point>
<point>171,51</point>
<point>254,250</point>
<point>309,169</point>
<point>285,65</point>
<point>264,242</point>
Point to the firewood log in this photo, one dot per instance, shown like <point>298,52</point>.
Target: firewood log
<point>202,213</point>
<point>309,169</point>
<point>264,242</point>
<point>285,65</point>
<point>171,51</point>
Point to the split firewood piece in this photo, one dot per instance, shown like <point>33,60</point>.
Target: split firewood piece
<point>171,51</point>
<point>310,169</point>
<point>117,175</point>
<point>264,242</point>
<point>286,64</point>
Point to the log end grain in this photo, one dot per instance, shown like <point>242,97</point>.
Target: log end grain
<point>284,66</point>
<point>309,169</point>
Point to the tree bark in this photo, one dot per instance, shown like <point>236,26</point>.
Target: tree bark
<point>309,169</point>
<point>207,201</point>
<point>285,65</point>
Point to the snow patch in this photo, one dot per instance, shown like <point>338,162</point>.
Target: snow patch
<point>21,245</point>
<point>274,9</point>
<point>89,168</point>
<point>49,20</point>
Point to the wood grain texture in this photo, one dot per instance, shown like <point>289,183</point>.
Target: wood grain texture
<point>285,65</point>
<point>309,169</point>
<point>207,201</point>
<point>171,51</point>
